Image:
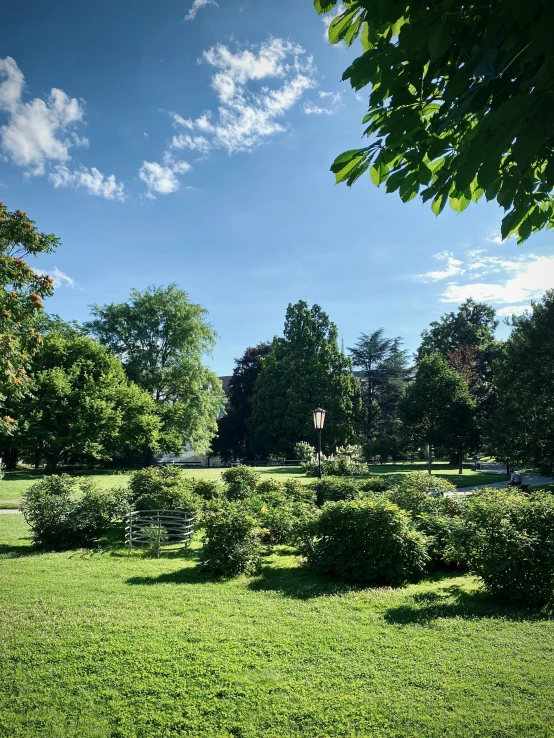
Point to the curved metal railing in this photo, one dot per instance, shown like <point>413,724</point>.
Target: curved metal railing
<point>152,530</point>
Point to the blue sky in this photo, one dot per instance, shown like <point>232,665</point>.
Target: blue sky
<point>190,142</point>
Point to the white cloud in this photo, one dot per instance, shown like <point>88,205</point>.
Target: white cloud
<point>507,312</point>
<point>92,180</point>
<point>494,237</point>
<point>247,116</point>
<point>158,178</point>
<point>59,278</point>
<point>38,131</point>
<point>530,277</point>
<point>196,6</point>
<point>333,98</point>
<point>452,267</point>
<point>311,109</point>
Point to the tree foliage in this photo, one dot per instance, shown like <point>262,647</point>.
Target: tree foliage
<point>437,407</point>
<point>304,370</point>
<point>161,337</point>
<point>233,436</point>
<point>466,340</point>
<point>384,373</point>
<point>21,294</point>
<point>524,421</point>
<point>81,402</point>
<point>460,103</point>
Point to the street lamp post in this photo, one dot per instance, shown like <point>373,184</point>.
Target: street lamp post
<point>319,420</point>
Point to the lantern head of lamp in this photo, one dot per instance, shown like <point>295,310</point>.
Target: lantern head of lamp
<point>319,418</point>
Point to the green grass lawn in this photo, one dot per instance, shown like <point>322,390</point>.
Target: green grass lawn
<point>14,484</point>
<point>96,644</point>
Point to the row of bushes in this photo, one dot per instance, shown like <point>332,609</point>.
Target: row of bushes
<point>376,531</point>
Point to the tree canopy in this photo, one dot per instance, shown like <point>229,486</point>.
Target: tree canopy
<point>161,338</point>
<point>460,103</point>
<point>233,435</point>
<point>524,422</point>
<point>21,294</point>
<point>383,375</point>
<point>304,370</point>
<point>438,408</point>
<point>81,402</point>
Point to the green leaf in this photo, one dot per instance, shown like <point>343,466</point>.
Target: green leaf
<point>439,39</point>
<point>341,25</point>
<point>524,231</point>
<point>324,6</point>
<point>437,206</point>
<point>395,180</point>
<point>379,171</point>
<point>345,171</point>
<point>345,157</point>
<point>459,203</point>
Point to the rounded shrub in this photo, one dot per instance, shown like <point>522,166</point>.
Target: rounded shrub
<point>207,489</point>
<point>374,484</point>
<point>232,542</point>
<point>440,532</point>
<point>240,482</point>
<point>58,521</point>
<point>333,489</point>
<point>508,541</point>
<point>367,540</point>
<point>163,488</point>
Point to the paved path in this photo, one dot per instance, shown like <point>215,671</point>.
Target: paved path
<point>9,512</point>
<point>533,480</point>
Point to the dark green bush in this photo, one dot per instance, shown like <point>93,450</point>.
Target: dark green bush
<point>367,540</point>
<point>507,540</point>
<point>375,484</point>
<point>58,521</point>
<point>418,492</point>
<point>268,487</point>
<point>163,488</point>
<point>207,489</point>
<point>439,531</point>
<point>278,515</point>
<point>232,542</point>
<point>240,482</point>
<point>299,492</point>
<point>333,489</point>
<point>157,479</point>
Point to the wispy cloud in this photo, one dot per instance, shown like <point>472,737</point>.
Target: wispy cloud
<point>39,134</point>
<point>332,102</point>
<point>527,279</point>
<point>60,279</point>
<point>91,180</point>
<point>246,115</point>
<point>159,179</point>
<point>196,6</point>
<point>510,282</point>
<point>452,267</point>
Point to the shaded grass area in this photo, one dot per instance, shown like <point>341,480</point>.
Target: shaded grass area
<point>14,484</point>
<point>98,644</point>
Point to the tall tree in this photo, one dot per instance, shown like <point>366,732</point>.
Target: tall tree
<point>81,402</point>
<point>303,370</point>
<point>466,340</point>
<point>460,103</point>
<point>21,294</point>
<point>384,372</point>
<point>523,427</point>
<point>161,338</point>
<point>437,408</point>
<point>233,436</point>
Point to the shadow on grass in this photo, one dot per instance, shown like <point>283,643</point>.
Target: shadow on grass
<point>455,602</point>
<point>300,584</point>
<point>13,551</point>
<point>190,575</point>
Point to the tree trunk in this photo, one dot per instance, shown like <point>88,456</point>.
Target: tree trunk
<point>52,461</point>
<point>461,468</point>
<point>10,458</point>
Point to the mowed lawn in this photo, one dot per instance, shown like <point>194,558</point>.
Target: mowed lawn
<point>97,644</point>
<point>14,484</point>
